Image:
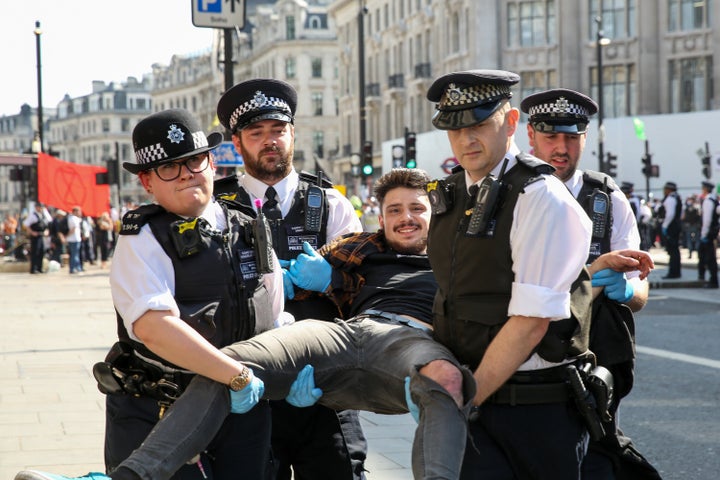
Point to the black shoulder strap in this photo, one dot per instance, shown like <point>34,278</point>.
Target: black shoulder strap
<point>313,179</point>
<point>538,166</point>
<point>134,220</point>
<point>599,180</point>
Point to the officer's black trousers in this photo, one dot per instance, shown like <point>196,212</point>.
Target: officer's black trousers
<point>318,442</point>
<point>241,449</point>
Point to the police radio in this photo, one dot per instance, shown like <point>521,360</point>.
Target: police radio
<point>313,206</point>
<point>440,195</point>
<point>600,203</point>
<point>485,201</point>
<point>262,241</point>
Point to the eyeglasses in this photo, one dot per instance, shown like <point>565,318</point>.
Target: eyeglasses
<point>170,171</point>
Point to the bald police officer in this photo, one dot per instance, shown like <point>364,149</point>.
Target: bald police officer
<point>503,304</point>
<point>557,130</point>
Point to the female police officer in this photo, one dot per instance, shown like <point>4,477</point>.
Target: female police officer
<point>185,282</point>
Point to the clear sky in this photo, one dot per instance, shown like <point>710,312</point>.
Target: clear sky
<point>86,40</point>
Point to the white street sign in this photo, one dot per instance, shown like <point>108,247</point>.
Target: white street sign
<point>218,13</point>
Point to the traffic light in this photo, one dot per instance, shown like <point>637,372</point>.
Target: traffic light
<point>647,165</point>
<point>367,159</point>
<point>410,150</point>
<point>611,165</point>
<point>706,171</point>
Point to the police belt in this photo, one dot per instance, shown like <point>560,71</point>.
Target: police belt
<point>534,387</point>
<point>397,318</point>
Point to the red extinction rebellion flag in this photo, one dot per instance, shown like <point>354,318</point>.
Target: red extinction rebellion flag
<point>65,185</point>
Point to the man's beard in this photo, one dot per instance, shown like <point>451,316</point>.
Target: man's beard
<point>419,247</point>
<point>272,173</point>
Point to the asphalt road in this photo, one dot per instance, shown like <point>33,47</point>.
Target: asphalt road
<point>672,412</point>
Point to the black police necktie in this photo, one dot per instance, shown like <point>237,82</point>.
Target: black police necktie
<point>270,208</point>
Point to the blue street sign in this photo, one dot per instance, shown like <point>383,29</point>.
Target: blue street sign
<point>218,13</point>
<point>226,156</point>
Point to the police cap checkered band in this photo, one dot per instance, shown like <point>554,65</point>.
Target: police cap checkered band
<point>460,97</point>
<point>167,136</point>
<point>255,100</point>
<point>560,107</point>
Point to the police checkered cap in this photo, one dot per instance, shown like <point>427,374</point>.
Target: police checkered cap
<point>469,97</point>
<point>559,110</point>
<point>255,100</point>
<point>167,136</point>
<point>258,103</point>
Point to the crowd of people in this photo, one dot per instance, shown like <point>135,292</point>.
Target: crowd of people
<point>257,313</point>
<point>51,238</point>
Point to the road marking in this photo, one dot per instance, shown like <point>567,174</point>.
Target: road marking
<point>706,362</point>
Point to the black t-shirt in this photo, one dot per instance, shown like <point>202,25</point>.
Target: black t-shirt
<point>396,283</point>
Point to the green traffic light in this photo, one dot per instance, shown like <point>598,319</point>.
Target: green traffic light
<point>367,169</point>
<point>411,164</point>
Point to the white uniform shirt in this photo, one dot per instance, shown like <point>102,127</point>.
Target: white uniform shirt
<point>74,229</point>
<point>342,218</point>
<point>624,230</point>
<point>707,213</point>
<point>142,277</point>
<point>550,240</point>
<point>670,204</point>
<point>36,216</point>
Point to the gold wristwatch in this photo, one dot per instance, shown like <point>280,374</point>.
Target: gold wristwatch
<point>240,381</point>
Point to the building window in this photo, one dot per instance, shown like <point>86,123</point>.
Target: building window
<point>317,67</point>
<point>618,18</point>
<point>536,81</point>
<point>531,23</point>
<point>690,84</point>
<point>319,143</point>
<point>455,32</point>
<point>125,125</point>
<point>619,85</point>
<point>290,67</point>
<point>317,103</point>
<point>290,28</point>
<point>684,15</point>
<point>105,125</point>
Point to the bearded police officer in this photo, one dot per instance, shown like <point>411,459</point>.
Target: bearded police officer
<point>557,130</point>
<point>503,304</point>
<point>318,442</point>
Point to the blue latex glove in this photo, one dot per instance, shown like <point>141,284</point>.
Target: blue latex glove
<point>616,285</point>
<point>244,400</point>
<point>303,392</point>
<point>310,270</point>
<point>414,410</point>
<point>664,231</point>
<point>288,286</point>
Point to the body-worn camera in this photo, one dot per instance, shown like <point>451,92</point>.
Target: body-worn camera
<point>187,237</point>
<point>440,195</point>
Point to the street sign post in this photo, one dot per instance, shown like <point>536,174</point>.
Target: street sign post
<point>218,13</point>
<point>226,156</point>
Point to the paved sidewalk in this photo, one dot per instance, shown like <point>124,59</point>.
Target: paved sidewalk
<point>54,327</point>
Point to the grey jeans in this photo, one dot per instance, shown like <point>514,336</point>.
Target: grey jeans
<point>360,364</point>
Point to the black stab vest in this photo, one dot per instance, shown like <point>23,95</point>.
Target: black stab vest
<point>474,276</point>
<point>217,289</point>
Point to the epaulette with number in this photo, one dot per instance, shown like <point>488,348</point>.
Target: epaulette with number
<point>134,220</point>
<point>310,178</point>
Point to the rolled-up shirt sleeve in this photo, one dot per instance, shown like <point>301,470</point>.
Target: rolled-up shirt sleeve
<point>141,278</point>
<point>550,240</point>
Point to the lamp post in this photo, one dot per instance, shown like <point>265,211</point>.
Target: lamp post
<point>600,41</point>
<point>41,128</point>
<point>361,69</point>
